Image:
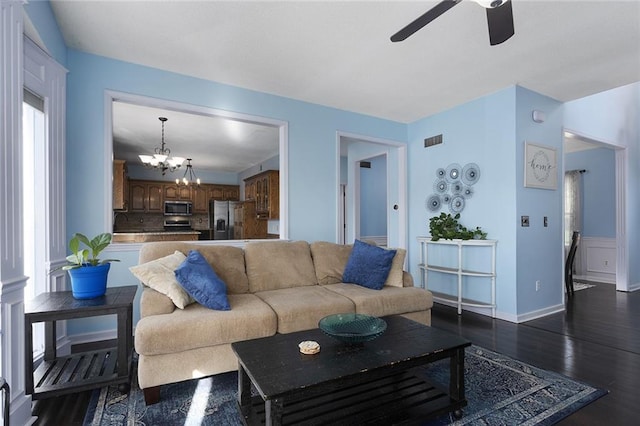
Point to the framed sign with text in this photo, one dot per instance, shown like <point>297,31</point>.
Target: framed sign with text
<point>540,166</point>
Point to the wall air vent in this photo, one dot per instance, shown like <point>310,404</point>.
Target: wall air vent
<point>365,164</point>
<point>434,140</point>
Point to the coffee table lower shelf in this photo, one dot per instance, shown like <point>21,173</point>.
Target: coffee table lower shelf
<point>400,399</point>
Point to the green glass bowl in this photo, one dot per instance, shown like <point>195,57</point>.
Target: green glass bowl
<point>352,328</point>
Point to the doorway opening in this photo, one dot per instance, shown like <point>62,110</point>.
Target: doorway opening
<point>599,167</point>
<point>383,184</point>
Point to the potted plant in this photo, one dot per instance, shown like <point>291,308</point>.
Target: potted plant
<point>88,273</point>
<point>447,227</point>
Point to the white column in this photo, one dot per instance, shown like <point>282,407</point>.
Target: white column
<point>12,279</point>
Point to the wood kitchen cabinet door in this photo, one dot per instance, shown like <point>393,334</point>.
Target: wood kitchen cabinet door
<point>264,188</point>
<point>138,196</point>
<point>145,197</point>
<point>120,186</point>
<point>155,191</point>
<point>173,192</point>
<point>201,199</point>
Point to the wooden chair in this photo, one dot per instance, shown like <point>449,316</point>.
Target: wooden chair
<point>4,387</point>
<point>568,266</point>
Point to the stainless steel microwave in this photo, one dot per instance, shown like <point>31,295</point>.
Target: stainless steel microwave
<point>178,208</point>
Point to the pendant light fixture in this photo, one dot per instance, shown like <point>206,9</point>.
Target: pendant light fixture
<point>161,160</point>
<point>192,176</point>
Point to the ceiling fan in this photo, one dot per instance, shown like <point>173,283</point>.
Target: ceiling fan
<point>499,19</point>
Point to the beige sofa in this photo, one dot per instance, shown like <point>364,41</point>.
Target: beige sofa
<point>272,287</point>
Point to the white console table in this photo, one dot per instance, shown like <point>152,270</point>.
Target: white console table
<point>489,273</point>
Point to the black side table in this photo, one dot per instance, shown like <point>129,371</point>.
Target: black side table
<point>88,370</point>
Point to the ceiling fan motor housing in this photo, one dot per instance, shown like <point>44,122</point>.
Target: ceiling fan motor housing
<point>490,4</point>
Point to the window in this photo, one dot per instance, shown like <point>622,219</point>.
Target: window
<point>33,136</point>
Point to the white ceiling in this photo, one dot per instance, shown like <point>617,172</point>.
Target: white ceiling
<point>214,143</point>
<point>338,53</point>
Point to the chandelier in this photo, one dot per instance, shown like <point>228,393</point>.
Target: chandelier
<point>192,175</point>
<point>161,159</point>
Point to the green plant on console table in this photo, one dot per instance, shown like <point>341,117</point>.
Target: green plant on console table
<point>447,227</point>
<point>87,256</point>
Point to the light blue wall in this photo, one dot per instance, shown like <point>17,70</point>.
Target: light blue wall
<point>373,198</point>
<point>491,132</point>
<point>481,132</point>
<point>41,15</point>
<point>539,249</point>
<point>598,190</point>
<point>312,139</point>
<point>614,117</point>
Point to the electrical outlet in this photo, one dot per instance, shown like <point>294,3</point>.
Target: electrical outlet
<point>546,222</point>
<point>538,285</point>
<point>524,221</point>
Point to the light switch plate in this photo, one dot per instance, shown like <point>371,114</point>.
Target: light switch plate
<point>524,221</point>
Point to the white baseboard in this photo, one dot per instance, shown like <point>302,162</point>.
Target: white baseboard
<point>505,316</point>
<point>540,313</point>
<point>96,336</point>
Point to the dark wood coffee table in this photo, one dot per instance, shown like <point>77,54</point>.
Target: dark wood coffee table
<point>371,383</point>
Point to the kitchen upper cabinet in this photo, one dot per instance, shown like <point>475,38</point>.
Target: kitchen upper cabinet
<point>145,196</point>
<point>173,192</point>
<point>264,189</point>
<point>200,199</point>
<point>120,186</point>
<point>224,192</point>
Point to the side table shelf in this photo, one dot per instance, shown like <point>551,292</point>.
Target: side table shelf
<point>59,375</point>
<point>459,271</point>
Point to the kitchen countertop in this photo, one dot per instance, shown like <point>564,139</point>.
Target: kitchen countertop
<point>143,236</point>
<point>154,232</point>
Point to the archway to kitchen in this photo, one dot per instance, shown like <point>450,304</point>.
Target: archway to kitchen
<point>233,119</point>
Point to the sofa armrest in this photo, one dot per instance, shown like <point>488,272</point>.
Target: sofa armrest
<point>154,303</point>
<point>407,279</point>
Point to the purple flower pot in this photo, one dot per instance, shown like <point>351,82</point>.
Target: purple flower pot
<point>88,282</point>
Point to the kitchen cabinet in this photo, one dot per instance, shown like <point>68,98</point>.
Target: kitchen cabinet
<point>174,192</point>
<point>246,224</point>
<point>120,186</point>
<point>200,199</point>
<point>223,192</point>
<point>145,196</point>
<point>264,188</point>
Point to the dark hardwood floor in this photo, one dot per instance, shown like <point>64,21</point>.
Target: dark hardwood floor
<point>596,340</point>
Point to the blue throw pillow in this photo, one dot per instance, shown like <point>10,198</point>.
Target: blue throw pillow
<point>198,279</point>
<point>368,265</point>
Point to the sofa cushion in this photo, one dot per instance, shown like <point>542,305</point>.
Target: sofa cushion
<point>159,275</point>
<point>396,275</point>
<point>197,277</point>
<point>273,265</point>
<point>301,308</point>
<point>368,265</point>
<point>329,260</point>
<point>387,301</point>
<point>228,261</point>
<point>197,326</point>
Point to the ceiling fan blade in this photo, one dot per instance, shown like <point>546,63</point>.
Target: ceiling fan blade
<point>500,22</point>
<point>424,19</point>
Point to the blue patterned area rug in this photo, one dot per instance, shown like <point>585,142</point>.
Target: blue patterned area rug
<point>499,390</point>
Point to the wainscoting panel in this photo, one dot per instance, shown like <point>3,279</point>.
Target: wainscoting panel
<point>598,259</point>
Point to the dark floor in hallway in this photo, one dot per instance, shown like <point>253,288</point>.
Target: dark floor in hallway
<point>596,340</point>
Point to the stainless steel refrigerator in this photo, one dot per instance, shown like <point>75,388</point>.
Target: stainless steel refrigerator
<point>221,219</point>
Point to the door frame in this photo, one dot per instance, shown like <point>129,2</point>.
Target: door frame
<point>622,242</point>
<point>401,212</point>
